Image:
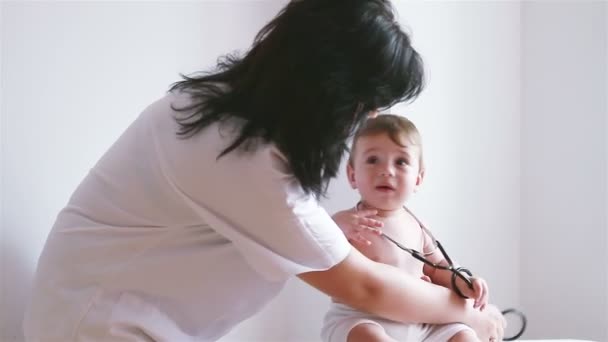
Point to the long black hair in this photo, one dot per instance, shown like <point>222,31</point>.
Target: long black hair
<point>310,78</point>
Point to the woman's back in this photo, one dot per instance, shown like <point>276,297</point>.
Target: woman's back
<point>161,234</point>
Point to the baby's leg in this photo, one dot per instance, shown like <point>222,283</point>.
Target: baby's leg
<point>464,336</point>
<point>368,332</point>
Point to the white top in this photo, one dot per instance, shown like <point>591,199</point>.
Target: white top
<point>162,239</point>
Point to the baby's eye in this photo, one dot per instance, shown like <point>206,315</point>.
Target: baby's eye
<point>371,160</point>
<point>402,162</point>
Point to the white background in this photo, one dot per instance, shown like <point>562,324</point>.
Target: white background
<point>513,120</point>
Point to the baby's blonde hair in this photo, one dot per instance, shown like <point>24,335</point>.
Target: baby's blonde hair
<point>397,128</point>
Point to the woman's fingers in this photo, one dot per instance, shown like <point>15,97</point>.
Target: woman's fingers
<point>356,224</point>
<point>359,239</point>
<point>368,216</point>
<point>365,222</point>
<point>364,240</point>
<point>370,223</point>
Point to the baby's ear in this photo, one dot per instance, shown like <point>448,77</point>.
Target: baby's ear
<point>419,179</point>
<point>350,173</point>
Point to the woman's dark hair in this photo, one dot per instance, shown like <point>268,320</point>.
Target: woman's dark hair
<point>310,78</point>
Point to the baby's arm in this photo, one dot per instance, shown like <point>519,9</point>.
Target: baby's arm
<point>479,292</point>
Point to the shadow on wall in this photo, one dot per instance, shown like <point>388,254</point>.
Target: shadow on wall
<point>15,280</point>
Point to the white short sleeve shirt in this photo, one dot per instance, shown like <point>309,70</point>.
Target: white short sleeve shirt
<point>163,240</point>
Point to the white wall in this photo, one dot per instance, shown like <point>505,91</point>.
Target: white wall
<point>2,273</point>
<point>75,74</point>
<point>563,191</point>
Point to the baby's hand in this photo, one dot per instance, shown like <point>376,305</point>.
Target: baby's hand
<point>354,223</point>
<point>479,293</point>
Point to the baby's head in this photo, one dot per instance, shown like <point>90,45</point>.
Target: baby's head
<point>385,163</point>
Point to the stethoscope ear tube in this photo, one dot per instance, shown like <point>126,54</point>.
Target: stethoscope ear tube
<point>524,322</point>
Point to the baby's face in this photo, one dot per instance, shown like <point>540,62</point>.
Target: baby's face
<point>385,173</point>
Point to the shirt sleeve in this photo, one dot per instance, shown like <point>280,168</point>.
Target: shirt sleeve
<point>253,199</point>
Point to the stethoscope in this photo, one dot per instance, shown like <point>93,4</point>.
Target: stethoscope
<point>457,272</point>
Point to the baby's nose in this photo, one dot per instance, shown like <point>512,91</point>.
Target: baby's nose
<point>387,172</point>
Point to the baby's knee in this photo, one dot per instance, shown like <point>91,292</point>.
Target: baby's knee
<point>368,332</point>
<point>465,336</point>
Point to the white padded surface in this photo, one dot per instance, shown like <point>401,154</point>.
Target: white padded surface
<point>554,340</point>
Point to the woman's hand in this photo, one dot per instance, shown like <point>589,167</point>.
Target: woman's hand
<point>489,325</point>
<point>355,223</point>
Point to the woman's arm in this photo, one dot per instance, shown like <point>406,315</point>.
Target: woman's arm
<point>385,291</point>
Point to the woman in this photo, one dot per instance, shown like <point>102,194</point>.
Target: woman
<point>197,215</point>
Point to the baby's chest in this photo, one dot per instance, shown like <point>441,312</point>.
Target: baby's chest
<point>384,251</point>
<point>410,237</point>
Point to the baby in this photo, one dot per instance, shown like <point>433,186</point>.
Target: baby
<point>386,167</point>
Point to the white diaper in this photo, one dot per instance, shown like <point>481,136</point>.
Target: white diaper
<point>341,319</point>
